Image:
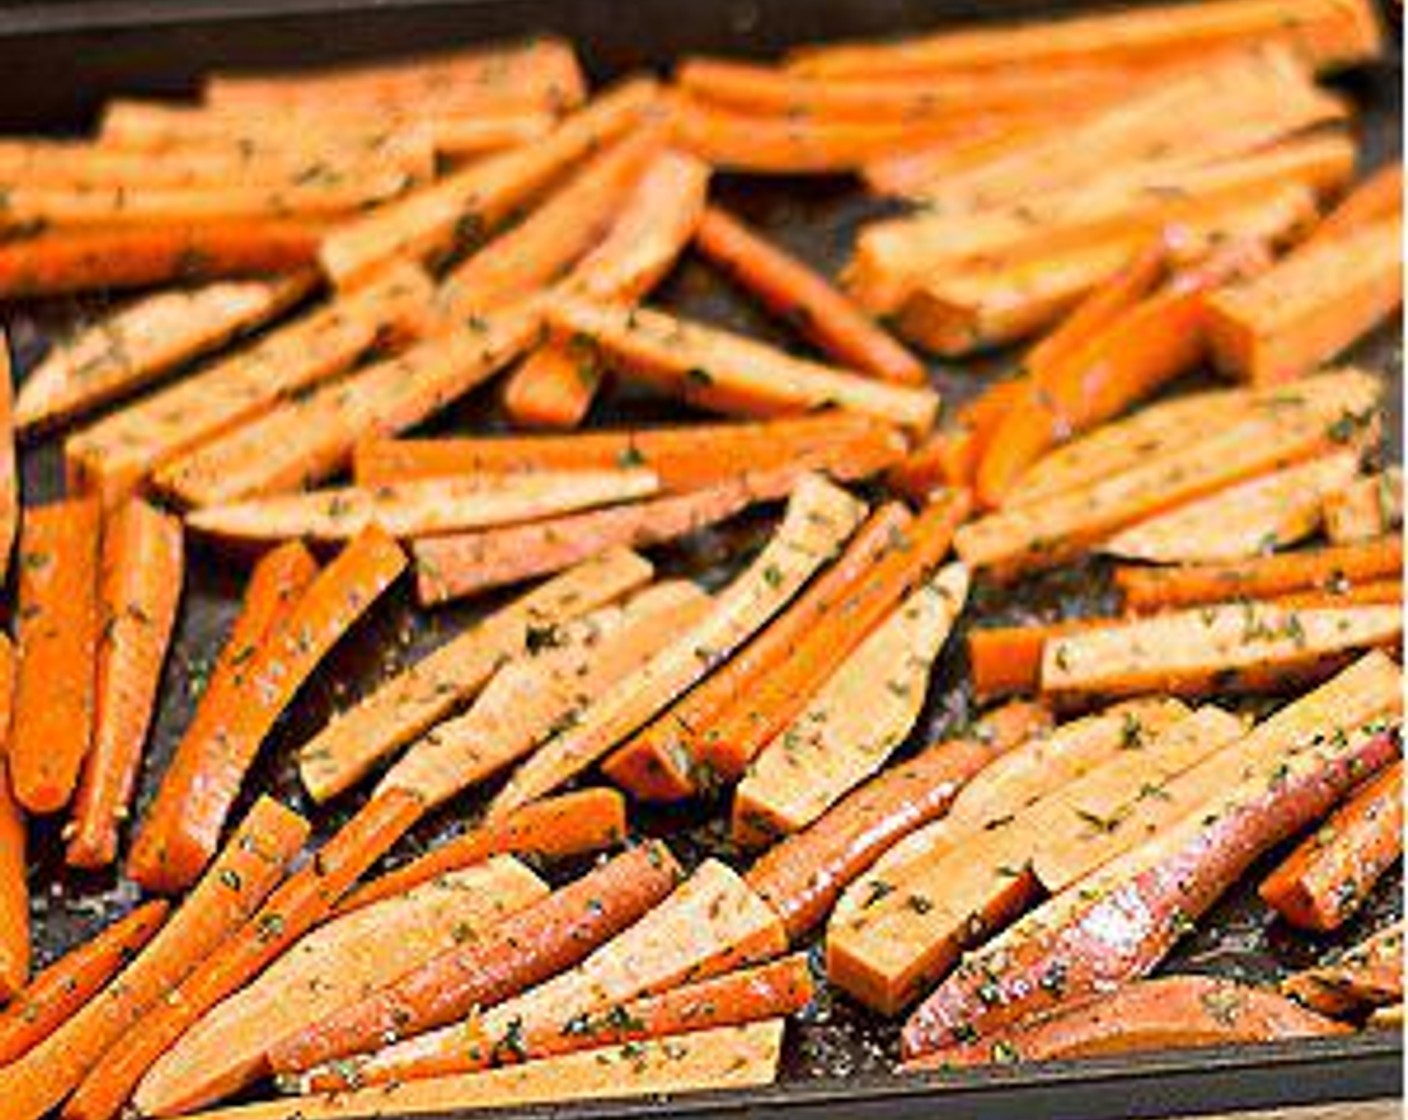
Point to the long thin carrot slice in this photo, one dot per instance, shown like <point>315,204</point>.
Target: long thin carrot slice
<point>661,762</point>
<point>524,949</point>
<point>139,590</point>
<point>79,260</point>
<point>554,388</point>
<point>465,564</point>
<point>587,820</point>
<point>57,993</point>
<point>1329,876</point>
<point>779,988</point>
<point>802,877</point>
<point>1266,577</point>
<point>302,900</point>
<point>737,736</point>
<point>14,882</point>
<point>58,640</point>
<point>804,299</point>
<point>1374,591</point>
<point>181,829</point>
<point>684,458</point>
<point>248,868</point>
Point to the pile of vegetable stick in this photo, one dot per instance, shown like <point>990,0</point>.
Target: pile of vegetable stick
<point>328,260</point>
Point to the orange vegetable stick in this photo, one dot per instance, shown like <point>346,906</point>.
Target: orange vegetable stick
<point>1007,659</point>
<point>782,987</point>
<point>524,949</point>
<point>58,992</point>
<point>248,868</point>
<point>467,563</point>
<point>802,877</point>
<point>587,820</point>
<point>1375,591</point>
<point>687,457</point>
<point>227,739</point>
<point>139,591</point>
<point>736,737</point>
<point>58,640</point>
<point>1118,347</point>
<point>951,457</point>
<point>1373,199</point>
<point>181,829</point>
<point>9,478</point>
<point>299,903</point>
<point>14,885</point>
<point>805,299</point>
<point>1154,588</point>
<point>555,386</point>
<point>1329,876</point>
<point>661,762</point>
<point>102,258</point>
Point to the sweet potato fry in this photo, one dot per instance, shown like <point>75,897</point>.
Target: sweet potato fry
<point>327,970</point>
<point>1171,1012</point>
<point>819,518</point>
<point>59,261</point>
<point>686,457</point>
<point>303,440</point>
<point>181,829</point>
<point>56,674</point>
<point>539,942</point>
<point>1325,33</point>
<point>1367,509</point>
<point>468,204</point>
<point>62,989</point>
<point>849,727</point>
<point>247,869</point>
<point>1243,521</point>
<point>1237,647</point>
<point>725,372</point>
<point>576,823</point>
<point>802,877</point>
<point>1327,569</point>
<point>1370,973</point>
<point>555,386</point>
<point>132,347</point>
<point>1328,877</point>
<point>664,760</point>
<point>804,299</point>
<point>141,572</point>
<point>1377,197</point>
<point>413,701</point>
<point>113,456</point>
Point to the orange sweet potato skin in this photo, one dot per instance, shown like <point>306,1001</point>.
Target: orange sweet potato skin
<point>1122,934</point>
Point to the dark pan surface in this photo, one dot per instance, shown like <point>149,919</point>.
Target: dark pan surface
<point>838,1055</point>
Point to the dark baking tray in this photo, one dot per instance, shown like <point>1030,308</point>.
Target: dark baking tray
<point>59,61</point>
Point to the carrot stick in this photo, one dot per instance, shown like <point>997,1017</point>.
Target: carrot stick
<point>684,458</point>
<point>58,638</point>
<point>78,260</point>
<point>468,563</point>
<point>726,372</point>
<point>225,737</point>
<point>802,877</point>
<point>805,299</point>
<point>737,736</point>
<point>780,988</point>
<point>524,949</point>
<point>301,901</point>
<point>554,236</point>
<point>951,457</point>
<point>662,762</point>
<point>1119,347</point>
<point>1329,876</point>
<point>9,477</point>
<point>554,388</point>
<point>587,820</point>
<point>139,591</point>
<point>247,869</point>
<point>14,883</point>
<point>1373,199</point>
<point>1007,659</point>
<point>1367,974</point>
<point>181,829</point>
<point>1375,591</point>
<point>1269,576</point>
<point>57,993</point>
